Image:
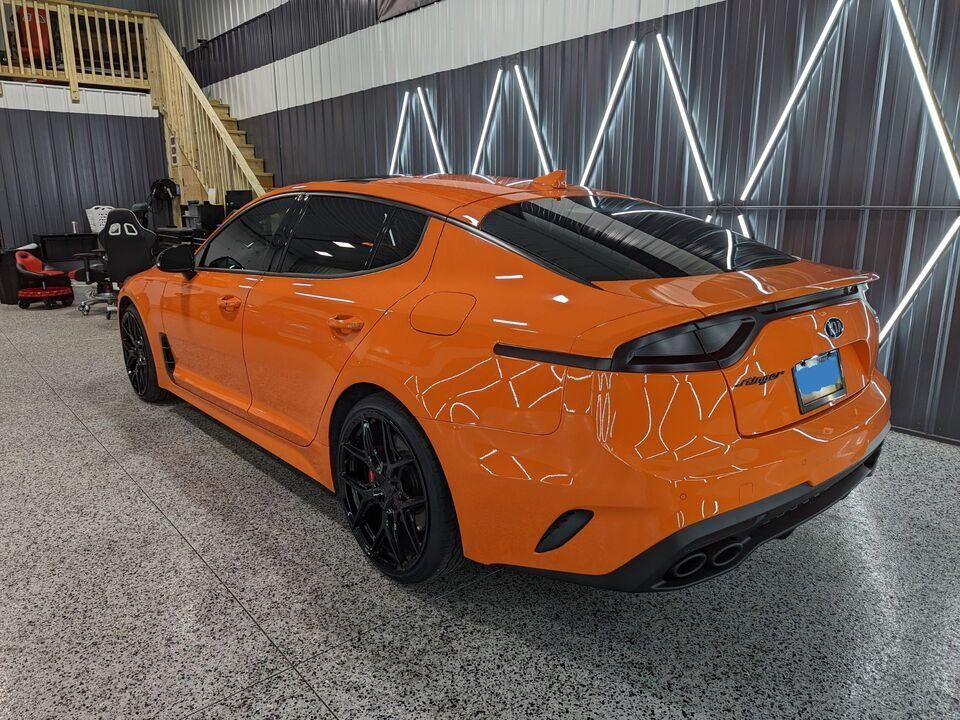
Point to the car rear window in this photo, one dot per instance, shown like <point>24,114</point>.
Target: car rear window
<point>596,238</point>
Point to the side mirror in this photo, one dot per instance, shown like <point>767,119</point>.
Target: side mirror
<point>178,259</point>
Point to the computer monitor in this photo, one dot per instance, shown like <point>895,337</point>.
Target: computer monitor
<point>62,248</point>
<point>236,199</point>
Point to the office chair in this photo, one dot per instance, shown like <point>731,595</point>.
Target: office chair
<point>126,249</point>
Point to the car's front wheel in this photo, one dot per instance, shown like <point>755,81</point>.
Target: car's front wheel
<point>137,358</point>
<point>393,491</point>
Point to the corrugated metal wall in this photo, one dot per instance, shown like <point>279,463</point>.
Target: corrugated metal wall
<point>187,21</point>
<point>292,27</point>
<point>54,164</point>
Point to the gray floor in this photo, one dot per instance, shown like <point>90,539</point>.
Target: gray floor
<point>154,564</point>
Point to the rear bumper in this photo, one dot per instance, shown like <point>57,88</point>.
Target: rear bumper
<point>716,545</point>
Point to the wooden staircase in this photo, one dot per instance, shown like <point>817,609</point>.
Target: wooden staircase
<point>207,150</point>
<point>246,149</point>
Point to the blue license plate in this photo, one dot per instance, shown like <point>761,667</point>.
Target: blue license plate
<point>819,380</point>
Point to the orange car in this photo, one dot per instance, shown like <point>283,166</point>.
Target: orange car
<point>523,373</point>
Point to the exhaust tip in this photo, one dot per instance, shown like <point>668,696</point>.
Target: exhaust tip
<point>689,565</point>
<point>726,555</point>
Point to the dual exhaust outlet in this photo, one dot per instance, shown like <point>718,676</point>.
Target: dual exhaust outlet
<point>697,561</point>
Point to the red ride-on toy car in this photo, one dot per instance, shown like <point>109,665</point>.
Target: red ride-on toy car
<point>41,283</point>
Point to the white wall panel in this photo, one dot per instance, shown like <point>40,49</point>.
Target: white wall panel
<point>210,18</point>
<point>53,98</point>
<point>462,33</point>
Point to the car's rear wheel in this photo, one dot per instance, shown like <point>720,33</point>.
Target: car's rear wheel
<point>393,492</point>
<point>137,358</point>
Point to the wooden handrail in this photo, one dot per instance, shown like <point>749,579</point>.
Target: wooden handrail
<point>93,6</point>
<point>202,139</point>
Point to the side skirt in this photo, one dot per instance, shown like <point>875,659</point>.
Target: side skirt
<point>313,460</point>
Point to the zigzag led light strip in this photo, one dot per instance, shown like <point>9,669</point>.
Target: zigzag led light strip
<point>528,108</point>
<point>428,117</point>
<point>949,154</point>
<point>792,100</point>
<point>528,111</point>
<point>692,139</point>
<point>401,125</point>
<point>488,118</point>
<point>791,103</point>
<point>608,113</point>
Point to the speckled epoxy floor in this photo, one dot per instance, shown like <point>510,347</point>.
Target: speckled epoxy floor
<point>154,564</point>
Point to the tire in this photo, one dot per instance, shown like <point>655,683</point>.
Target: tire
<point>67,303</point>
<point>24,304</point>
<point>138,358</point>
<point>395,498</point>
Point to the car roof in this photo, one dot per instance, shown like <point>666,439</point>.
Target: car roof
<point>442,194</point>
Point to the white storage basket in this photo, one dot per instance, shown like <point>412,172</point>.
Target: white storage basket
<point>97,217</point>
<point>82,290</point>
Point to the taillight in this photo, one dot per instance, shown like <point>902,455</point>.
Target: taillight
<point>703,345</point>
<point>716,342</point>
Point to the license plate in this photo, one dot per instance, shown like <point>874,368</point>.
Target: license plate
<point>819,380</point>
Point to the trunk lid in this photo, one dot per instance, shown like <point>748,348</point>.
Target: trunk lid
<point>762,383</point>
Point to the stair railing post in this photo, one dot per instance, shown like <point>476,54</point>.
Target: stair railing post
<point>155,74</point>
<point>64,20</point>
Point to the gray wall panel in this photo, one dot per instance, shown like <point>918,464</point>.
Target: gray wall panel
<point>54,165</point>
<point>857,180</point>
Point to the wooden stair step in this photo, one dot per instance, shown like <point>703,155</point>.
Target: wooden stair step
<point>256,164</point>
<point>222,111</point>
<point>239,137</point>
<point>266,179</point>
<point>230,123</point>
<point>247,150</point>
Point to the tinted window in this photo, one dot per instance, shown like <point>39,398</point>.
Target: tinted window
<point>248,242</point>
<point>603,238</point>
<point>400,237</point>
<point>346,235</point>
<point>335,236</point>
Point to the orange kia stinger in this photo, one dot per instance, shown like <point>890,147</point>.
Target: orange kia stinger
<point>523,373</point>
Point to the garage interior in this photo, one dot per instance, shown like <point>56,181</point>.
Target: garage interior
<point>156,564</point>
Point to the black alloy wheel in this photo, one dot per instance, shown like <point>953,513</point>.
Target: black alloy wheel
<point>134,353</point>
<point>137,358</point>
<point>393,492</point>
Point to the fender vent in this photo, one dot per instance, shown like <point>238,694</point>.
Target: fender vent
<point>168,360</point>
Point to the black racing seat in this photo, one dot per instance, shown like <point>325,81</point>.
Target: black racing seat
<point>127,248</point>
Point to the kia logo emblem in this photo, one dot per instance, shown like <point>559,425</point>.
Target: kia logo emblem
<point>833,327</point>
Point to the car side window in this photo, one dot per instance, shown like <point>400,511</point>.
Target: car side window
<point>249,241</point>
<point>336,235</point>
<point>400,238</point>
